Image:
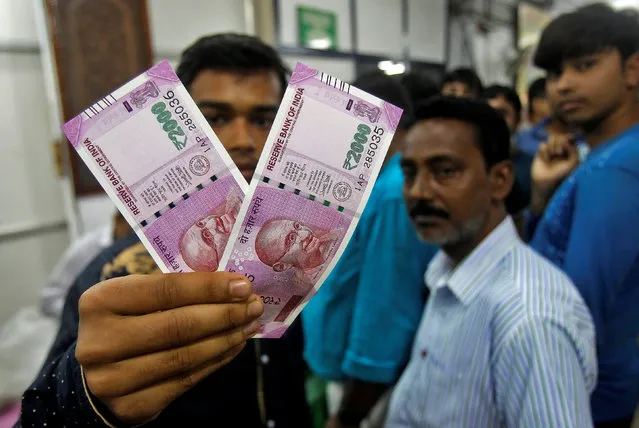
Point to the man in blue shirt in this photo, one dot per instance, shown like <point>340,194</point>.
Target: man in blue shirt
<point>548,127</point>
<point>529,140</point>
<point>360,326</point>
<point>589,226</point>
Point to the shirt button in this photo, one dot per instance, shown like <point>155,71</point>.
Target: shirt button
<point>270,424</point>
<point>424,353</point>
<point>265,359</point>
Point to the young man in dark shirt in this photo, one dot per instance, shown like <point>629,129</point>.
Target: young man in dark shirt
<point>173,350</point>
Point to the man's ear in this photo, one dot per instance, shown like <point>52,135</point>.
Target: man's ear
<point>631,71</point>
<point>502,178</point>
<point>281,267</point>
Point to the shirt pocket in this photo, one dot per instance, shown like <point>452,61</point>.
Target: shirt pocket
<point>455,362</point>
<point>433,393</point>
<point>445,367</point>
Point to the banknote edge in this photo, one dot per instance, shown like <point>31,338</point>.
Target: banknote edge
<point>302,72</point>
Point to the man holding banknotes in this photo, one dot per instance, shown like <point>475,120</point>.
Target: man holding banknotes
<point>171,350</point>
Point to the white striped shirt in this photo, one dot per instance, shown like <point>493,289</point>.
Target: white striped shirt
<point>505,340</point>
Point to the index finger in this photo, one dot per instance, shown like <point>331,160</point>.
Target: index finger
<point>144,294</point>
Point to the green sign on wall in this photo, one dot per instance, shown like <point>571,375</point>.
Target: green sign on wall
<point>317,28</point>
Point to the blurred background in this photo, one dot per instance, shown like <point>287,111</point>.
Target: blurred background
<point>85,48</point>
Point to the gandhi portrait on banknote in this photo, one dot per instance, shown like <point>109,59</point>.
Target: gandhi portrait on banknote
<point>285,244</point>
<point>203,243</point>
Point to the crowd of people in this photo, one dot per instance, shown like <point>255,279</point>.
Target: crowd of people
<point>492,281</point>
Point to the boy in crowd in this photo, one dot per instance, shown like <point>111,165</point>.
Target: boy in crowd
<point>586,215</point>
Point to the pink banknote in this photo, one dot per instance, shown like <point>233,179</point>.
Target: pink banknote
<point>159,161</point>
<point>312,182</point>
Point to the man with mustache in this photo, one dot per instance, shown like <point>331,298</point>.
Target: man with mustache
<point>588,226</point>
<point>174,350</point>
<point>505,338</point>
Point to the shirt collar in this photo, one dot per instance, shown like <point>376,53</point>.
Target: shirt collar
<point>462,281</point>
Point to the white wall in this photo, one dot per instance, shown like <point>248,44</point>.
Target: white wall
<point>30,194</point>
<point>379,28</point>
<point>175,25</point>
<point>427,30</point>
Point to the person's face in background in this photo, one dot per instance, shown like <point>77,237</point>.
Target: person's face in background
<point>458,89</point>
<point>507,110</point>
<point>240,107</point>
<point>539,110</point>
<point>588,89</point>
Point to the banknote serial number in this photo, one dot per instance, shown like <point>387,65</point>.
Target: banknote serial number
<point>358,150</point>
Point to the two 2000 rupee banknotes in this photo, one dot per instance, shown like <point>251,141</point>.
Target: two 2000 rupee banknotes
<point>171,178</point>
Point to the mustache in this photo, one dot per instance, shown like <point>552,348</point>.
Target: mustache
<point>420,208</point>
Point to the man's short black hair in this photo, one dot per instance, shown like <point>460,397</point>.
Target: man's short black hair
<point>493,135</point>
<point>509,94</point>
<point>385,87</point>
<point>536,90</point>
<point>588,30</point>
<point>230,52</point>
<point>468,77</point>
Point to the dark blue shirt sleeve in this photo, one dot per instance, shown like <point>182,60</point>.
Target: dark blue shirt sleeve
<point>604,240</point>
<point>57,396</point>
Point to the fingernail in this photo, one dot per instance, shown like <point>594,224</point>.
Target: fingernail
<point>240,288</point>
<point>255,308</point>
<point>252,328</point>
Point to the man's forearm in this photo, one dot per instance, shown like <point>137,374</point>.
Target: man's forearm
<point>358,400</point>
